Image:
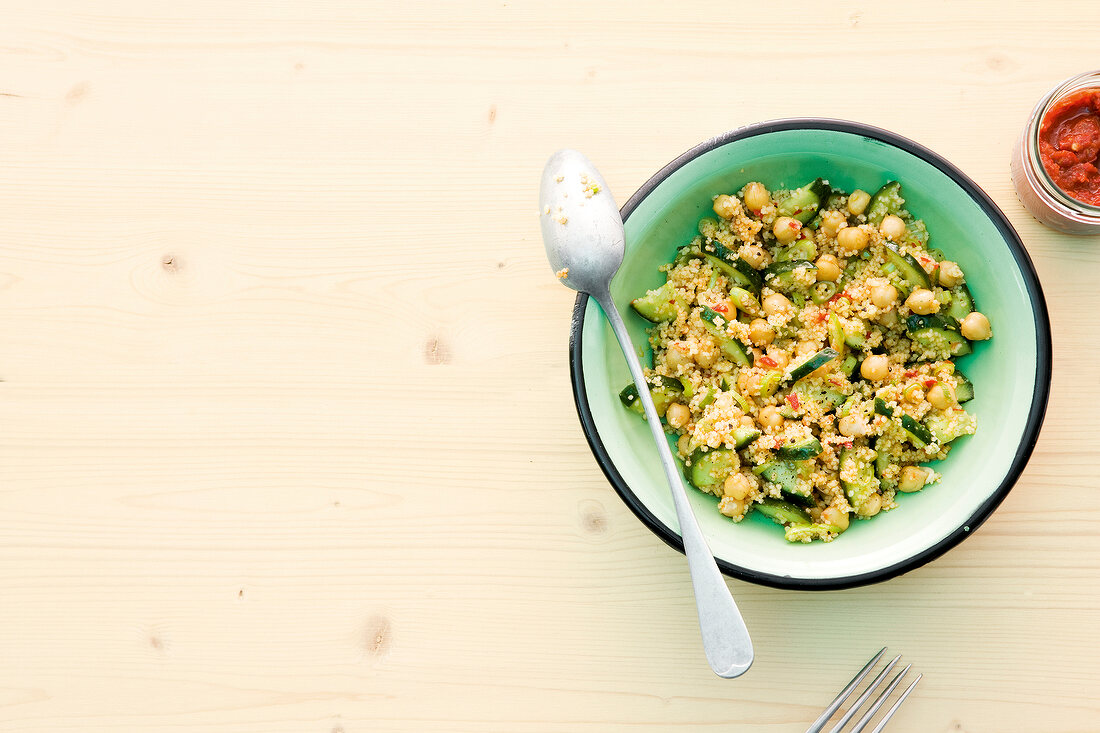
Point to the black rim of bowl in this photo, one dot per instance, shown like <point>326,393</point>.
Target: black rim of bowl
<point>1038,399</point>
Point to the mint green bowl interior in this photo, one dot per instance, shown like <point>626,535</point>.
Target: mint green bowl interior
<point>1011,373</point>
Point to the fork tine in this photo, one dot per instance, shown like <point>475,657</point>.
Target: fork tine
<point>894,708</point>
<point>819,724</point>
<point>866,719</point>
<point>866,694</point>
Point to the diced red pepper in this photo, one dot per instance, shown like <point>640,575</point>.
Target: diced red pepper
<point>768,362</point>
<point>838,296</point>
<point>847,444</point>
<point>793,399</point>
<point>720,308</point>
<point>928,383</point>
<point>911,373</point>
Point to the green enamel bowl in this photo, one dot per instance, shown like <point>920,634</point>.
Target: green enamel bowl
<point>1011,372</point>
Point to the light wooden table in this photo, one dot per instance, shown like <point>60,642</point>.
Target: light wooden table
<point>286,435</point>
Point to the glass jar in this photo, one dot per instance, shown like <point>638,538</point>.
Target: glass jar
<point>1038,193</point>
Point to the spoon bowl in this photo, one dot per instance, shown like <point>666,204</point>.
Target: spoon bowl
<point>581,226</point>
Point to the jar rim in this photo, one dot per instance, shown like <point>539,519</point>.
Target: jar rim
<point>1074,83</point>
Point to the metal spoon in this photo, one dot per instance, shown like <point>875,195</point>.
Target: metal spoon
<point>583,234</point>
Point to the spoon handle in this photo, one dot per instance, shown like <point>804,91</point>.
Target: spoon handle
<point>726,640</point>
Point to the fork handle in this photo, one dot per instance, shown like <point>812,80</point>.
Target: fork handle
<point>726,639</point>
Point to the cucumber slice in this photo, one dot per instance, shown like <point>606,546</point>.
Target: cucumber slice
<point>950,426</point>
<point>803,249</point>
<point>803,203</point>
<point>745,300</point>
<point>782,512</point>
<point>809,532</point>
<point>962,303</point>
<point>964,390</point>
<point>659,305</point>
<point>882,408</point>
<point>712,467</point>
<point>909,269</point>
<point>726,261</point>
<point>803,451</point>
<point>917,322</point>
<point>742,436</point>
<point>781,275</point>
<point>887,200</point>
<point>814,392</point>
<point>715,323</point>
<point>865,483</point>
<point>855,334</point>
<point>783,473</point>
<point>882,460</point>
<point>812,364</point>
<point>663,390</point>
<point>848,366</point>
<point>918,434</point>
<point>945,343</point>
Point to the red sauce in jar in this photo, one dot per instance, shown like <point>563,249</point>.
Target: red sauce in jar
<point>1069,145</point>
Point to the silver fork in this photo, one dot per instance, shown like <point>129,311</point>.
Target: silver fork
<point>819,724</point>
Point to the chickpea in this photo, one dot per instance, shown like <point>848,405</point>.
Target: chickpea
<point>922,301</point>
<point>776,303</point>
<point>889,318</point>
<point>857,201</point>
<point>756,196</point>
<point>976,327</point>
<point>678,355</point>
<point>769,417</point>
<point>852,239</point>
<point>731,507</point>
<point>871,506</point>
<point>678,415</point>
<point>757,257</point>
<point>748,382</point>
<point>707,355</point>
<point>892,227</point>
<point>761,332</point>
<point>779,356</point>
<point>786,229</point>
<point>748,422</point>
<point>737,486</point>
<point>883,295</point>
<point>835,516</point>
<point>832,221</point>
<point>913,478</point>
<point>726,207</point>
<point>853,426</point>
<point>828,268</point>
<point>950,274</point>
<point>875,367</point>
<point>805,348</point>
<point>683,445</point>
<point>937,395</point>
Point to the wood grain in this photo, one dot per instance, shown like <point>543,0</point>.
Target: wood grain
<point>285,427</point>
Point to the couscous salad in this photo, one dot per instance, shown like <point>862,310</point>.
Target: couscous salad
<point>803,354</point>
